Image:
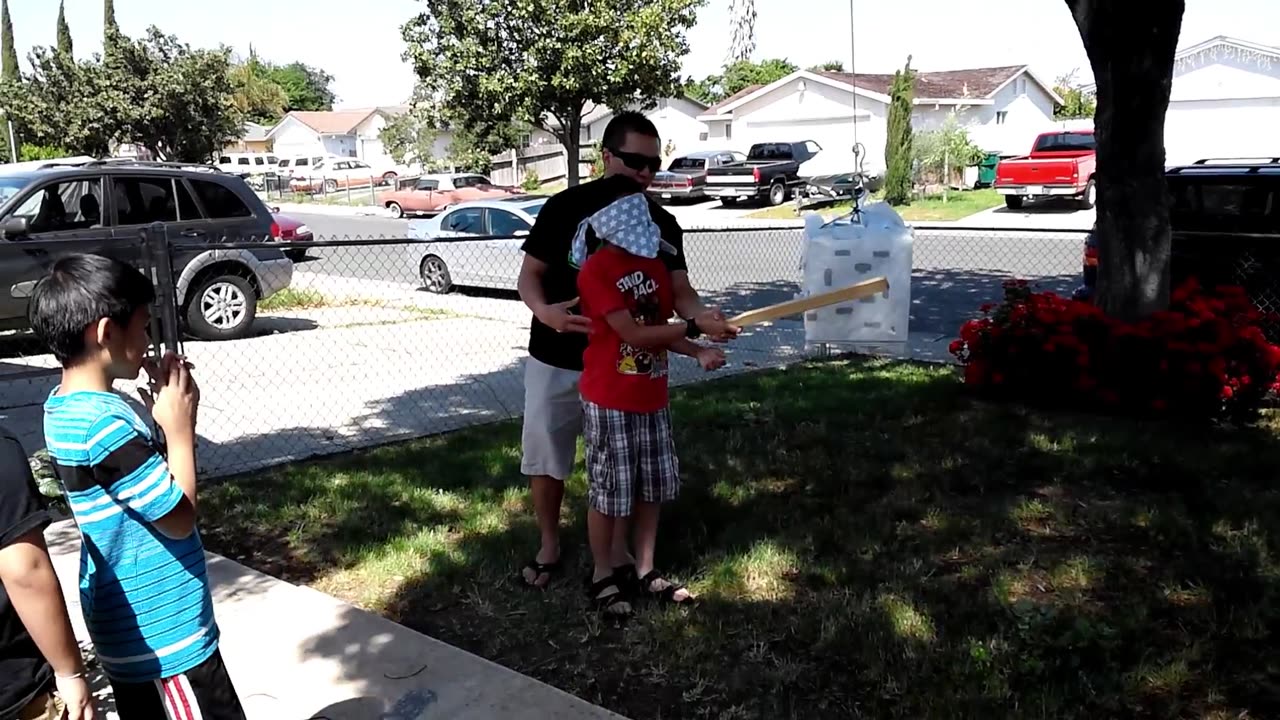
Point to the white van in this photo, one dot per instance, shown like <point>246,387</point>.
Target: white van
<point>248,163</point>
<point>300,165</point>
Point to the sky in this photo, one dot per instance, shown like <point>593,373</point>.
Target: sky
<point>359,43</point>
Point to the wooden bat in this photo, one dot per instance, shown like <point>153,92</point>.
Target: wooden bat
<point>813,302</point>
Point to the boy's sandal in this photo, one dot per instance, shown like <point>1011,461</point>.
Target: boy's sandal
<point>667,594</point>
<point>550,569</point>
<point>628,580</point>
<point>608,604</point>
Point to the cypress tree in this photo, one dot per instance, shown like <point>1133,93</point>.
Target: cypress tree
<point>9,57</point>
<point>64,30</point>
<point>898,144</point>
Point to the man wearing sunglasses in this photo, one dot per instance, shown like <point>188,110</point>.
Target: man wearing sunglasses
<point>631,151</point>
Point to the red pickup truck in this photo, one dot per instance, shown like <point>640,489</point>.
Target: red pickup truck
<point>1061,164</point>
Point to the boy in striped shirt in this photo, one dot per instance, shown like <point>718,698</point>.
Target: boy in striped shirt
<point>143,587</point>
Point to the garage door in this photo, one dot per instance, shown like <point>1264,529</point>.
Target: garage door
<point>834,135</point>
<point>1196,129</point>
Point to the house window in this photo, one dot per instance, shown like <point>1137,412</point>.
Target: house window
<point>1001,116</point>
<point>526,140</point>
<point>702,137</point>
<point>1021,86</point>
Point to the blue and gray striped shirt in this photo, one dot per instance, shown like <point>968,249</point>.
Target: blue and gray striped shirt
<point>145,597</point>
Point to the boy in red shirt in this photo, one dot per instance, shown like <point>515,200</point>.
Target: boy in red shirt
<point>625,290</point>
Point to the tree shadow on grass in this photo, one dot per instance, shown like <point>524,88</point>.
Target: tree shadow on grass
<point>867,541</point>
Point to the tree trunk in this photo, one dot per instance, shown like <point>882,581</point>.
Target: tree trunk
<point>572,142</point>
<point>1131,53</point>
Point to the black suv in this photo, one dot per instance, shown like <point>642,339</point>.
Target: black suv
<point>105,204</point>
<point>1225,216</point>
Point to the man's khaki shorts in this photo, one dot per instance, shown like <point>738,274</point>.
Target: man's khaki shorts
<point>552,420</point>
<point>45,707</point>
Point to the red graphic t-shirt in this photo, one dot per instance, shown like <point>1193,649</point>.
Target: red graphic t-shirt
<point>615,374</point>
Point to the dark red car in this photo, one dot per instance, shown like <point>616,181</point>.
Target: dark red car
<point>291,230</point>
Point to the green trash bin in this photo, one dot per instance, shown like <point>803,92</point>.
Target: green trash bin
<point>987,170</point>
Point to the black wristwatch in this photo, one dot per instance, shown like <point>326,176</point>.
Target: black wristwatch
<point>691,329</point>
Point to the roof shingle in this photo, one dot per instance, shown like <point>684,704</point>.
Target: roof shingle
<point>949,84</point>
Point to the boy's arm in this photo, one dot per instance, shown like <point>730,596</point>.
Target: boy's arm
<point>136,475</point>
<point>686,347</point>
<point>25,568</point>
<point>32,584</point>
<point>648,336</point>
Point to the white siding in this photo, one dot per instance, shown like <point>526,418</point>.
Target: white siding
<point>340,145</point>
<point>676,120</point>
<point>820,113</point>
<point>1026,114</point>
<point>1225,102</point>
<point>293,138</point>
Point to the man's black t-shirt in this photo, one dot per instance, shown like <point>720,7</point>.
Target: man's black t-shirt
<point>24,673</point>
<point>550,241</point>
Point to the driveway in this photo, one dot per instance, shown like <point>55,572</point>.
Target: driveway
<point>1044,215</point>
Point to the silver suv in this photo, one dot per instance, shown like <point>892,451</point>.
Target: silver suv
<point>104,205</point>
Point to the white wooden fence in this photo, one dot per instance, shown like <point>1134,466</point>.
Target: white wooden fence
<point>548,161</point>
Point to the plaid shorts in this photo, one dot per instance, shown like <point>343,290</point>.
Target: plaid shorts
<point>629,455</point>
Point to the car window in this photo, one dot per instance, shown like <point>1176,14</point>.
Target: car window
<point>242,161</point>
<point>11,185</point>
<point>259,161</point>
<point>1065,142</point>
<point>302,162</point>
<point>1223,205</point>
<point>224,160</point>
<point>220,201</point>
<point>465,220</point>
<point>358,166</point>
<point>187,208</point>
<point>533,210</point>
<point>812,147</point>
<point>427,185</point>
<point>687,163</point>
<point>466,181</point>
<point>144,200</point>
<point>283,164</point>
<point>68,205</point>
<point>505,224</point>
<point>272,159</point>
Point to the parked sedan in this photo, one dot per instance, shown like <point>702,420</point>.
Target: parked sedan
<point>333,175</point>
<point>686,177</point>
<point>473,244</point>
<point>434,193</point>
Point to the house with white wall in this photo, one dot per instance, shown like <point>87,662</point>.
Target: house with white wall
<point>676,119</point>
<point>1224,101</point>
<point>1003,109</point>
<point>345,133</point>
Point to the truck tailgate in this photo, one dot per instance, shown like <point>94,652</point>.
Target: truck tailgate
<point>1037,171</point>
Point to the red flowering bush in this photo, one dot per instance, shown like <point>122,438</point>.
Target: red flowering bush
<point>1205,356</point>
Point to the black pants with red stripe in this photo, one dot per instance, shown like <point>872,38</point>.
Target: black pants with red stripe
<point>204,692</point>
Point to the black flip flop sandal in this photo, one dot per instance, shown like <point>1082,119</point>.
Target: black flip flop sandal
<point>665,595</point>
<point>628,580</point>
<point>607,604</point>
<point>550,569</point>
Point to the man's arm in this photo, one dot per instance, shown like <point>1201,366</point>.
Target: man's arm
<point>32,584</point>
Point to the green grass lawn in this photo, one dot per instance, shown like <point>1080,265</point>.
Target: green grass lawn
<point>867,540</point>
<point>958,205</point>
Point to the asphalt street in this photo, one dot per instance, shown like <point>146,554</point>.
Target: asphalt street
<point>955,270</point>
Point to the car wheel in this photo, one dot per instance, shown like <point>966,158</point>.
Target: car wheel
<point>435,275</point>
<point>397,212</point>
<point>777,194</point>
<point>1013,202</point>
<point>222,307</point>
<point>1090,196</point>
<point>330,186</point>
<point>389,178</point>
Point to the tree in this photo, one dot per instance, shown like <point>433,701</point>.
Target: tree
<point>306,88</point>
<point>1132,55</point>
<point>411,137</point>
<point>945,150</point>
<point>898,154</point>
<point>829,66</point>
<point>109,25</point>
<point>65,45</point>
<point>65,103</point>
<point>545,62</point>
<point>738,76</point>
<point>9,70</point>
<point>1076,103</point>
<point>254,94</point>
<point>742,16</point>
<point>180,101</point>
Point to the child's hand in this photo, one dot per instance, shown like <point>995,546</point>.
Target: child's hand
<point>713,323</point>
<point>711,358</point>
<point>174,398</point>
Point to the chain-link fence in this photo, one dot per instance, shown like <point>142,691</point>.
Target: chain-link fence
<point>304,349</point>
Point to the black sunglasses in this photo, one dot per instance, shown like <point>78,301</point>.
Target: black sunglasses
<point>637,161</point>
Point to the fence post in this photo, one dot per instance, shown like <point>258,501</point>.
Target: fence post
<point>156,251</point>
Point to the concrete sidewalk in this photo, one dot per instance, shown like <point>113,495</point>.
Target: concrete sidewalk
<point>294,653</point>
